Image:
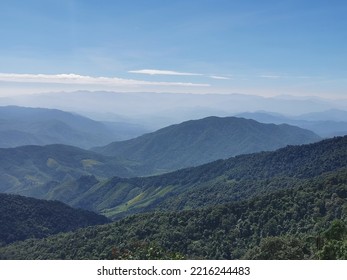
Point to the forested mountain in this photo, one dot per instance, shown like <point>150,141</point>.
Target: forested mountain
<point>304,221</point>
<point>39,170</point>
<point>38,126</point>
<point>196,142</point>
<point>214,183</point>
<point>23,217</point>
<point>78,177</point>
<point>27,167</point>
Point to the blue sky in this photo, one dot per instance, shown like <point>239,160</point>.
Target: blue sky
<point>202,46</point>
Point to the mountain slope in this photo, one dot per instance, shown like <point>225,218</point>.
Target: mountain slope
<point>306,221</point>
<point>196,142</point>
<point>217,182</point>
<point>27,167</point>
<point>38,126</point>
<point>23,217</point>
<point>214,183</point>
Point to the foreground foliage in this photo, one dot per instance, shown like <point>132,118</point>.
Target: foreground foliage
<point>306,221</point>
<point>23,217</point>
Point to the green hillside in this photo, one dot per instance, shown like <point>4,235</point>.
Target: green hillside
<point>196,142</point>
<point>65,173</point>
<point>23,217</point>
<point>214,183</point>
<point>305,221</point>
<point>24,169</point>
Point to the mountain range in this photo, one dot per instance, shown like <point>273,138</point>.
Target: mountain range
<point>39,170</point>
<point>157,110</point>
<point>210,188</point>
<point>286,204</point>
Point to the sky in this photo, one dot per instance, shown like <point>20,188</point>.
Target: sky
<point>266,48</point>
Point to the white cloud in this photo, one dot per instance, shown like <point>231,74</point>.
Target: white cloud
<point>86,80</point>
<point>163,72</point>
<point>175,73</point>
<point>287,77</point>
<point>270,76</point>
<point>219,77</point>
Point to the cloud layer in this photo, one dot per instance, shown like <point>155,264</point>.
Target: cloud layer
<point>87,80</point>
<point>175,73</point>
<point>163,72</point>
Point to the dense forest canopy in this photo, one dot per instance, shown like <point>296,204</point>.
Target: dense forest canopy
<point>307,221</point>
<point>24,217</point>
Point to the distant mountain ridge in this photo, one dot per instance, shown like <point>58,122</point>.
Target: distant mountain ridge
<point>326,124</point>
<point>195,142</point>
<point>21,126</point>
<point>162,109</point>
<point>327,115</point>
